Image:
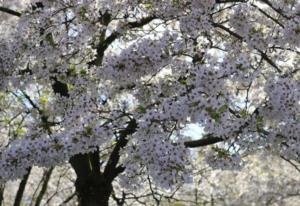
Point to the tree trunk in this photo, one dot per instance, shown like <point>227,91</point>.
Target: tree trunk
<point>92,188</point>
<point>93,191</point>
<point>2,186</point>
<point>21,189</point>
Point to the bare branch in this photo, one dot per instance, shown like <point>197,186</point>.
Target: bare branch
<point>102,46</point>
<point>279,11</point>
<point>290,161</point>
<point>208,140</point>
<point>68,199</point>
<point>46,178</point>
<point>111,170</point>
<point>263,55</point>
<point>230,1</point>
<point>267,15</point>
<point>10,11</point>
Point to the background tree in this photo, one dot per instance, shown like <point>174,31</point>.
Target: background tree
<point>110,85</point>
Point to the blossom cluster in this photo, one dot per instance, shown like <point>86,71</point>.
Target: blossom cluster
<point>79,69</point>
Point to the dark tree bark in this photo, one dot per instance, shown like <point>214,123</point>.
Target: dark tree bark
<point>46,178</point>
<point>94,187</point>
<point>94,191</point>
<point>91,187</point>
<point>20,192</point>
<point>2,186</point>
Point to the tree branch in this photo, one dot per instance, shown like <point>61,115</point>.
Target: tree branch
<point>68,199</point>
<point>22,185</point>
<point>279,11</point>
<point>290,161</point>
<point>102,46</point>
<point>46,178</point>
<point>111,170</point>
<point>10,11</point>
<point>263,55</point>
<point>208,140</point>
<point>230,1</point>
<point>267,15</point>
<point>2,187</point>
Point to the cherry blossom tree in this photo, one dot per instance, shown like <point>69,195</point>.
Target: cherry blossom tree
<point>110,85</point>
<point>266,180</point>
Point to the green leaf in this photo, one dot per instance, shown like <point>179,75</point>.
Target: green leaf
<point>141,109</point>
<point>43,100</point>
<point>82,14</point>
<point>20,131</point>
<point>243,113</point>
<point>83,72</point>
<point>213,114</point>
<point>2,95</point>
<point>50,39</point>
<point>6,120</point>
<point>57,146</point>
<point>216,114</point>
<point>223,108</point>
<point>70,86</point>
<point>221,152</point>
<point>148,5</point>
<point>297,30</point>
<point>71,70</point>
<point>176,204</point>
<point>176,2</point>
<point>182,81</point>
<point>88,131</point>
<point>240,67</point>
<point>259,121</point>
